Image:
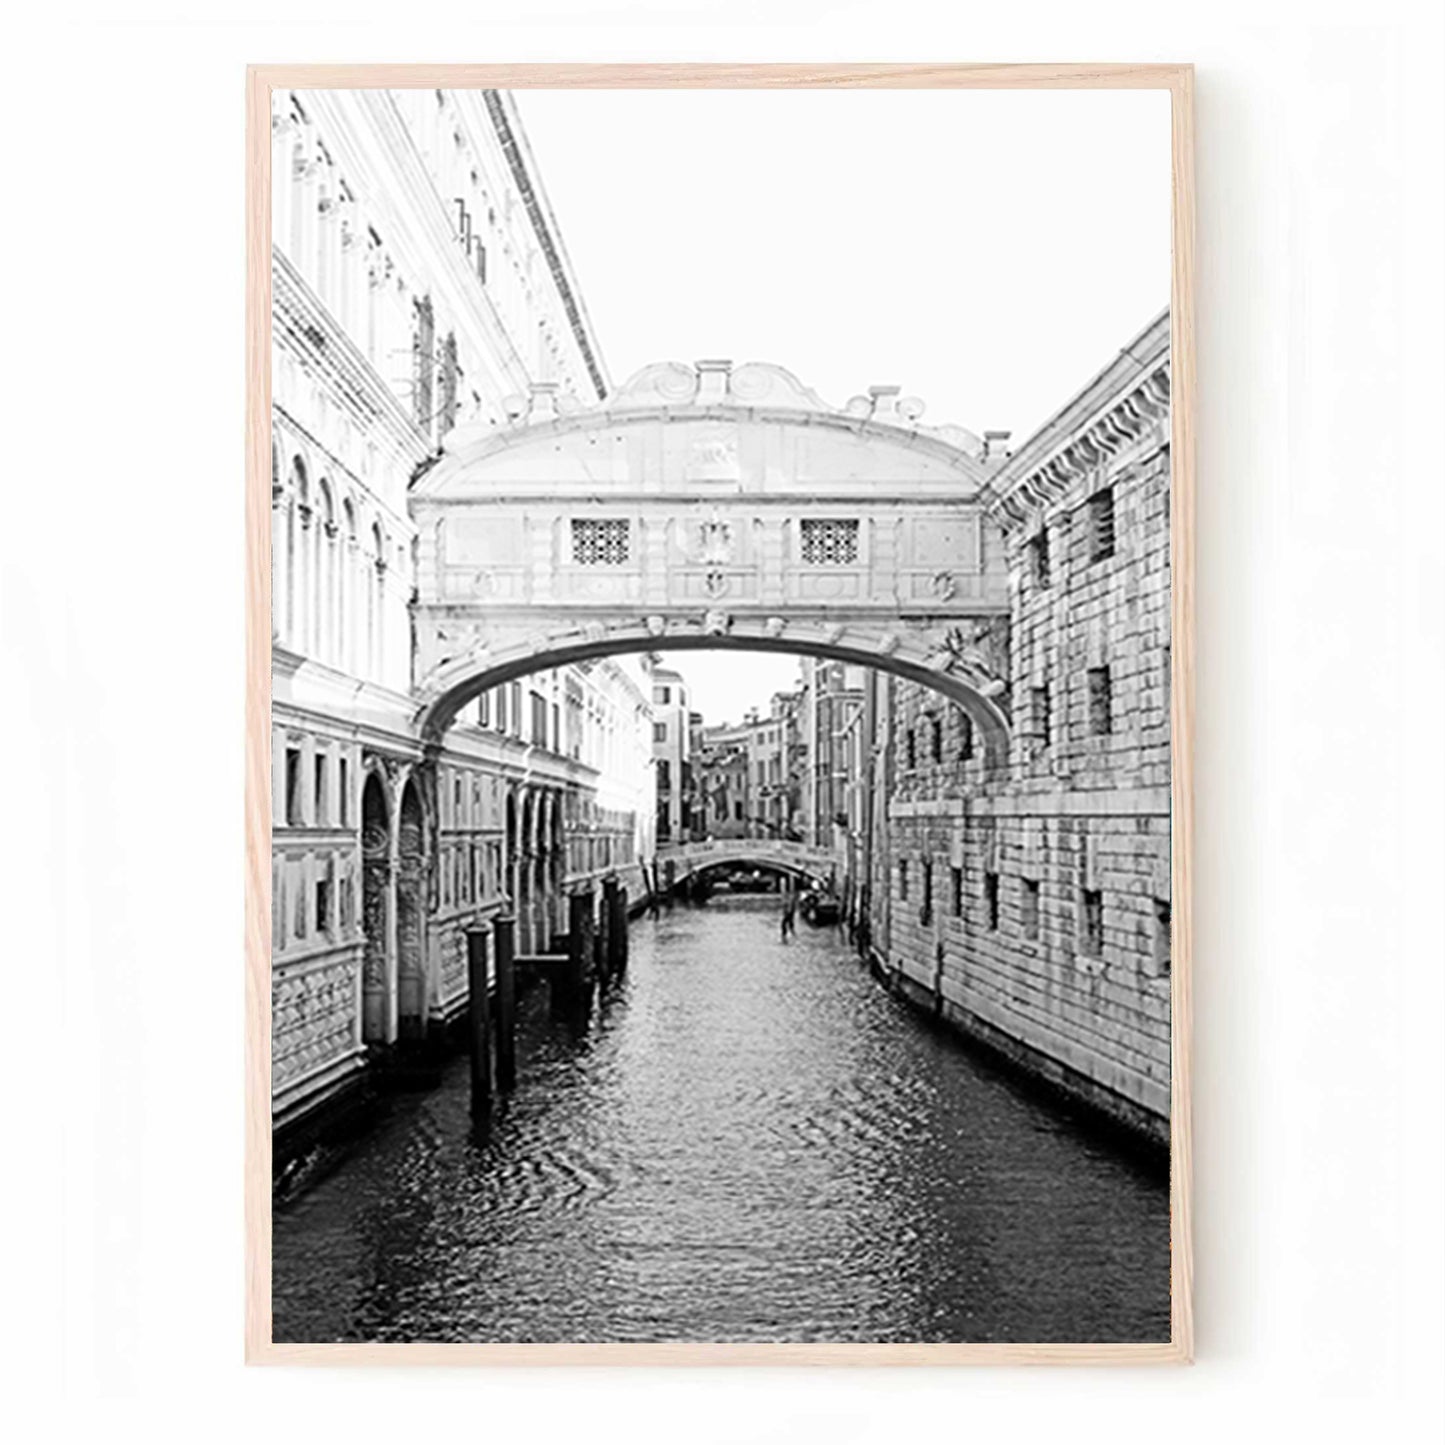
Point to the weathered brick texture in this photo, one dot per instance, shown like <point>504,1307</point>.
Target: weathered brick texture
<point>1072,978</point>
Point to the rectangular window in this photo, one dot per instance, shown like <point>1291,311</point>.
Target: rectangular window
<point>344,790</point>
<point>957,882</point>
<point>829,542</point>
<point>965,736</point>
<point>910,749</point>
<point>903,880</point>
<point>484,710</point>
<point>1163,936</point>
<point>990,901</point>
<point>1101,525</point>
<point>319,816</point>
<point>1029,907</point>
<point>293,787</point>
<point>664,775</point>
<point>1092,942</point>
<point>1101,702</point>
<point>1039,558</point>
<point>1041,715</point>
<point>659,732</point>
<point>925,909</point>
<point>664,695</point>
<point>935,737</point>
<point>601,542</point>
<point>539,720</point>
<point>323,906</point>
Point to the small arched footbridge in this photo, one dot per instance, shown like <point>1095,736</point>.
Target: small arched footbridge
<point>782,856</point>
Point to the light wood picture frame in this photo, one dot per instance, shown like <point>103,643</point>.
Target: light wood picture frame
<point>261,81</point>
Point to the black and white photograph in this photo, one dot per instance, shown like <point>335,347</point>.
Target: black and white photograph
<point>720,722</point>
<point>721,867</point>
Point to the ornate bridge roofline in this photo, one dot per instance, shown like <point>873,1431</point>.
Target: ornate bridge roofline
<point>671,391</point>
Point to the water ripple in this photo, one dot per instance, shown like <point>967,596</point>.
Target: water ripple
<point>753,1143</point>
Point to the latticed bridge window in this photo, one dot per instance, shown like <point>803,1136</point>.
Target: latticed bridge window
<point>830,542</point>
<point>600,542</point>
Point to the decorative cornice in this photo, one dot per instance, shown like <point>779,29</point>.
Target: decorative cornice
<point>1120,407</point>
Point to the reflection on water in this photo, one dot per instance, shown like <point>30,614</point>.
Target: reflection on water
<point>754,1143</point>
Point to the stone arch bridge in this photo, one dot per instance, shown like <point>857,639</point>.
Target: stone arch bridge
<point>711,506</point>
<point>683,860</point>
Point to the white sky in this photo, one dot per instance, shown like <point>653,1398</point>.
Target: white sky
<point>988,251</point>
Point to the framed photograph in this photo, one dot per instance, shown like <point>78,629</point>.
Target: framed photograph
<point>720,680</point>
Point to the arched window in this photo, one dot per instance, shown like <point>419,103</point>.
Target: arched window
<point>965,735</point>
<point>298,521</point>
<point>279,524</point>
<point>326,539</point>
<point>347,590</point>
<point>376,619</point>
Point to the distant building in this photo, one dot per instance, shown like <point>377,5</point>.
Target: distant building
<point>672,755</point>
<point>722,774</point>
<point>832,706</point>
<point>749,774</point>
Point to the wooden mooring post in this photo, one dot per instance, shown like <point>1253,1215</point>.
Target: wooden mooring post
<point>614,911</point>
<point>479,1024</point>
<point>602,944</point>
<point>504,946</point>
<point>577,989</point>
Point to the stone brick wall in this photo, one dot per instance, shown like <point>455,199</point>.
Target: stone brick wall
<point>1030,904</point>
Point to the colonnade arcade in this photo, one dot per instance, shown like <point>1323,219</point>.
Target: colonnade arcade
<point>330,557</point>
<point>400,887</point>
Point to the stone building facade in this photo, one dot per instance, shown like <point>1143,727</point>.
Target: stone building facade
<point>749,774</point>
<point>459,495</point>
<point>1031,904</point>
<point>672,739</point>
<point>419,285</point>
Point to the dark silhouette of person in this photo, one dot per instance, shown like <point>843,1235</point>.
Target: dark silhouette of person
<point>790,909</point>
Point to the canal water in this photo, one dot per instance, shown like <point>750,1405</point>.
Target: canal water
<point>754,1142</point>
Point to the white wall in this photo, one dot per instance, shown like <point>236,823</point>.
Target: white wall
<point>1319,972</point>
